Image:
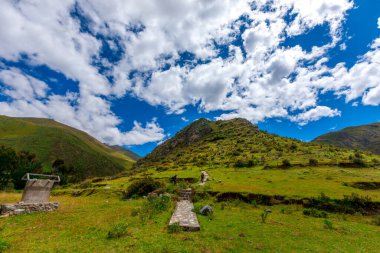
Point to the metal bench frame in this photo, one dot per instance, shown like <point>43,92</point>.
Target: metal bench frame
<point>28,176</point>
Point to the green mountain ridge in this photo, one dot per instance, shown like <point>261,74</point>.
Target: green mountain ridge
<point>125,151</point>
<point>238,143</point>
<point>51,140</point>
<point>364,137</point>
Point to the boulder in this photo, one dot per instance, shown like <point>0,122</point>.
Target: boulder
<point>206,210</point>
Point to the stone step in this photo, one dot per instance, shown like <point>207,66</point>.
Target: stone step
<point>184,216</point>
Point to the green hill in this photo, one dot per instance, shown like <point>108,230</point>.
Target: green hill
<point>365,137</point>
<point>238,143</point>
<point>51,140</point>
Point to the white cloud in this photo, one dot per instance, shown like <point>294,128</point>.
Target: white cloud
<point>89,113</point>
<point>263,79</point>
<point>19,86</point>
<point>378,23</point>
<point>315,114</point>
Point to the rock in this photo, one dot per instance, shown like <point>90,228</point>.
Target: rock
<point>18,211</point>
<point>267,210</point>
<point>206,210</point>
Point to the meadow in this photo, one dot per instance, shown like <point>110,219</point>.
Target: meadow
<point>82,223</point>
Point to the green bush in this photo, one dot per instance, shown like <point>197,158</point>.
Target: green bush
<point>314,213</point>
<point>286,163</point>
<point>152,206</point>
<point>135,212</point>
<point>4,246</point>
<point>141,188</point>
<point>328,224</point>
<point>117,231</point>
<point>358,161</point>
<point>264,215</point>
<point>174,228</point>
<point>313,162</point>
<point>376,220</point>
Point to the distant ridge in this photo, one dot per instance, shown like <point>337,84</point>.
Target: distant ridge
<point>364,137</point>
<point>126,152</point>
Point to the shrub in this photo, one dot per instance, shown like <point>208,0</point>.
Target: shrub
<point>153,206</point>
<point>264,215</point>
<point>118,230</point>
<point>328,224</point>
<point>313,162</point>
<point>254,203</point>
<point>174,228</point>
<point>161,168</point>
<point>286,163</point>
<point>314,213</point>
<point>141,188</point>
<point>245,164</point>
<point>376,220</point>
<point>197,207</point>
<point>359,162</point>
<point>4,245</point>
<point>293,147</point>
<point>135,212</point>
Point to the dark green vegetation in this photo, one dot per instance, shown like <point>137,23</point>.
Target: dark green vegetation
<point>237,143</point>
<point>365,137</point>
<point>14,165</point>
<point>61,149</point>
<point>141,187</point>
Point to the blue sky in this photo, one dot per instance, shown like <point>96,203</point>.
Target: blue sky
<point>133,73</point>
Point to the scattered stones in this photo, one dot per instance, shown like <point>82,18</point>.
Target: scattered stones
<point>23,208</point>
<point>206,210</point>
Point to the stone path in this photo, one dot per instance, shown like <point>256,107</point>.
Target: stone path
<point>183,214</point>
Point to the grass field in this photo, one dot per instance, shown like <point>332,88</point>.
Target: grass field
<point>81,224</point>
<point>294,183</point>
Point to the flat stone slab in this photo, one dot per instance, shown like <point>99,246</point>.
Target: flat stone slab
<point>184,216</point>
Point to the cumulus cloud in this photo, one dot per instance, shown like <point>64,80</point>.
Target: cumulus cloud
<point>89,113</point>
<point>257,78</point>
<point>315,114</point>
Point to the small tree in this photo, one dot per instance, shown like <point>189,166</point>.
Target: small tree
<point>286,163</point>
<point>8,163</point>
<point>313,162</point>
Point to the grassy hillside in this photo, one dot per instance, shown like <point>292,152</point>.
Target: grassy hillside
<point>50,140</point>
<point>366,137</point>
<point>238,143</point>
